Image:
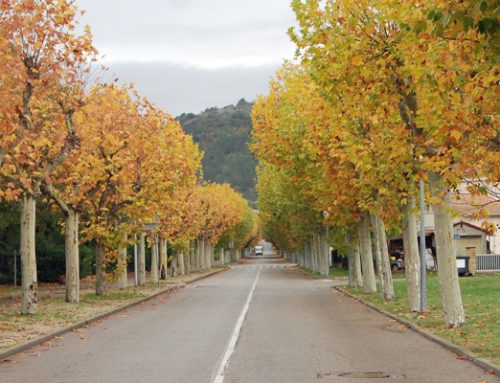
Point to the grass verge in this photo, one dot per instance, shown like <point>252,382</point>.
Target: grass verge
<point>480,295</point>
<point>335,273</point>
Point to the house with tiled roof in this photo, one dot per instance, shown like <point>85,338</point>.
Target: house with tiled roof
<point>473,230</point>
<point>469,208</point>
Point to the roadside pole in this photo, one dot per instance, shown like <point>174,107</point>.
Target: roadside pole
<point>158,266</point>
<point>15,267</point>
<point>423,250</point>
<point>135,259</point>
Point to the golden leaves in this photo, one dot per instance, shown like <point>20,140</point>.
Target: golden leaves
<point>378,100</point>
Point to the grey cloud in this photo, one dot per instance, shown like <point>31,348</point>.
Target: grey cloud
<point>180,89</point>
<point>142,40</point>
<point>180,31</point>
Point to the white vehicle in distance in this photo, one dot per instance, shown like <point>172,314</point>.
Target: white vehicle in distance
<point>259,250</point>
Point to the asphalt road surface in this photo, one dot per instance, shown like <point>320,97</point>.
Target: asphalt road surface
<point>260,322</point>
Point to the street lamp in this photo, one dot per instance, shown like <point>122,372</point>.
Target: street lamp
<point>423,260</point>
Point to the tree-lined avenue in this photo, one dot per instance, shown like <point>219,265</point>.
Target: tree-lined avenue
<point>297,329</point>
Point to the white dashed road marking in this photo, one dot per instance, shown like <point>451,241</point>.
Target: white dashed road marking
<point>219,378</point>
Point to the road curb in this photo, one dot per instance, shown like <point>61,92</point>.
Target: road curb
<point>310,275</point>
<point>45,338</point>
<point>460,351</point>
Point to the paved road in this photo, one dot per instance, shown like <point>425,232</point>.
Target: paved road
<point>296,330</point>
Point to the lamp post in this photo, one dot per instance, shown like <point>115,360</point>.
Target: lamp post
<point>423,260</point>
<point>135,259</point>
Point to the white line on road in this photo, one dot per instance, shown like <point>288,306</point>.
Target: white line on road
<point>219,378</point>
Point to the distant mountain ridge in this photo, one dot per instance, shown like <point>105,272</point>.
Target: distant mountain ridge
<point>224,134</point>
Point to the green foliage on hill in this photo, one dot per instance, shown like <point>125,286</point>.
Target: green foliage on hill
<point>223,134</point>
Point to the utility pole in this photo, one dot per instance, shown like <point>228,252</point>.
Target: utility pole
<point>15,267</point>
<point>423,251</point>
<point>135,259</point>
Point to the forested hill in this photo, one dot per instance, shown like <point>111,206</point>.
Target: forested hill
<point>223,134</point>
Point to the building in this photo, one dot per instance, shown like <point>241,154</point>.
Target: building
<point>473,229</point>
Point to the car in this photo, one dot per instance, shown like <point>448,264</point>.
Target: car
<point>398,263</point>
<point>397,260</point>
<point>259,250</point>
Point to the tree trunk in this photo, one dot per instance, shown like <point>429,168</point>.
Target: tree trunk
<point>308,256</point>
<point>221,256</point>
<point>122,264</point>
<point>369,281</point>
<point>163,259</point>
<point>201,253</point>
<point>141,260</point>
<point>194,256</point>
<point>376,248</point>
<point>378,254</point>
<point>29,299</point>
<point>411,255</point>
<point>180,263</point>
<point>208,255</point>
<point>100,274</point>
<point>192,246</point>
<point>174,263</point>
<point>188,260</point>
<point>385,264</point>
<point>446,254</point>
<point>154,261</point>
<point>355,276</point>
<point>325,249</point>
<point>314,251</point>
<point>72,257</point>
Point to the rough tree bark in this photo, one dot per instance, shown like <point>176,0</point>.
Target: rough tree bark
<point>411,255</point>
<point>308,256</point>
<point>141,260</point>
<point>72,247</point>
<point>324,255</point>
<point>369,281</point>
<point>180,264</point>
<point>315,253</point>
<point>355,276</point>
<point>201,254</point>
<point>446,254</point>
<point>154,261</point>
<point>122,265</point>
<point>29,300</point>
<point>378,253</point>
<point>208,255</point>
<point>388,291</point>
<point>221,256</point>
<point>174,264</point>
<point>188,260</point>
<point>163,259</point>
<point>192,255</point>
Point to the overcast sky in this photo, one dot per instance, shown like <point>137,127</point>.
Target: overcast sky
<point>188,55</point>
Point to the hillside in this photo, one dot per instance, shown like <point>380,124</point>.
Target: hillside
<point>223,134</point>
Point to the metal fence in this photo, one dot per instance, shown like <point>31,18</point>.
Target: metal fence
<point>488,262</point>
<point>10,267</point>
